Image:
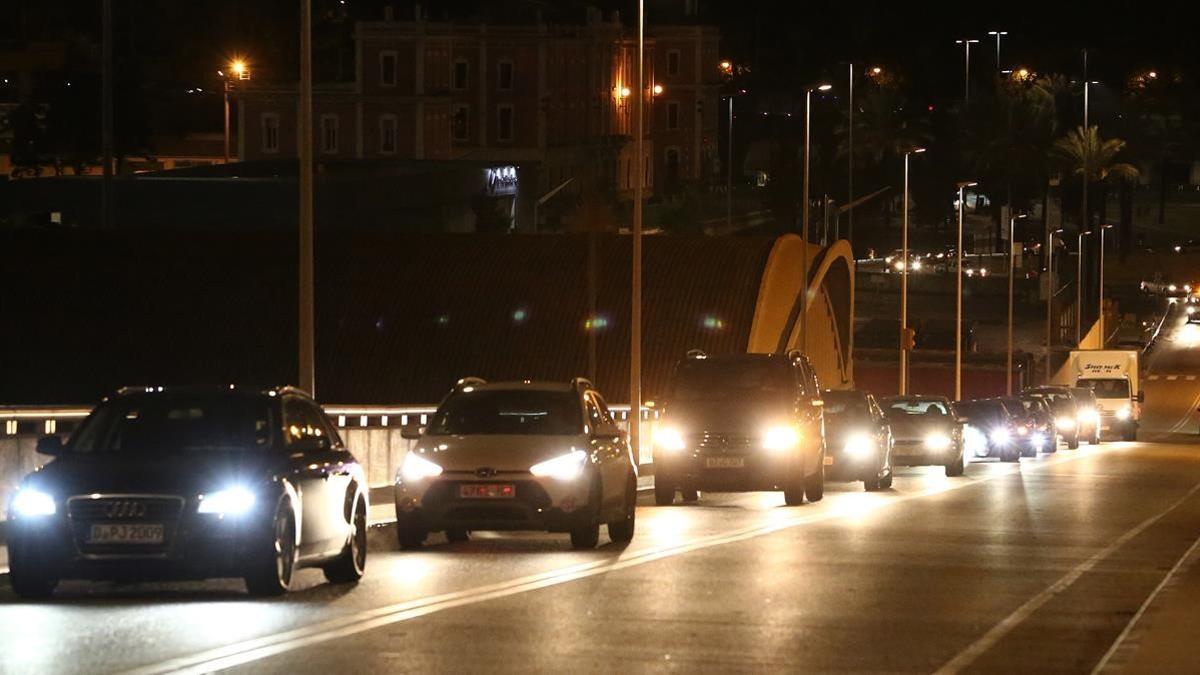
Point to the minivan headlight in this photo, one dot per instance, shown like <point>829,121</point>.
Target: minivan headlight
<point>1064,422</point>
<point>937,441</point>
<point>416,467</point>
<point>31,503</point>
<point>782,437</point>
<point>859,445</point>
<point>563,467</point>
<point>668,437</point>
<point>1124,412</point>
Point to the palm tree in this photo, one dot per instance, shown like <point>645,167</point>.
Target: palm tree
<point>1082,148</point>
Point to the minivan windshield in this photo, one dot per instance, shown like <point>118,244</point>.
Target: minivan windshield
<point>705,380</point>
<point>915,407</point>
<point>175,423</point>
<point>509,411</point>
<point>1110,388</point>
<point>846,403</point>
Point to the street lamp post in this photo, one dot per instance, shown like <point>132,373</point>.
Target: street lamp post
<point>804,216</point>
<point>1050,290</point>
<point>1079,288</point>
<point>999,34</point>
<point>850,165</point>
<point>958,296</point>
<point>1100,315</point>
<point>904,280</point>
<point>635,323</point>
<point>729,171</point>
<point>966,43</point>
<point>306,343</point>
<point>237,69</point>
<point>1012,270</point>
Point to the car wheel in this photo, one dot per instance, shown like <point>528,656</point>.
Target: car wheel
<point>1073,442</point>
<point>621,531</point>
<point>585,536</point>
<point>1013,455</point>
<point>793,493</point>
<point>409,534</point>
<point>1029,452</point>
<point>273,572</point>
<point>664,491</point>
<point>814,485</point>
<point>28,580</point>
<point>1130,434</point>
<point>885,483</point>
<point>689,495</point>
<point>349,566</point>
<point>1095,439</point>
<point>457,535</point>
<point>871,483</point>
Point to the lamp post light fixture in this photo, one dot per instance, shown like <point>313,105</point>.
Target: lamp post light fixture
<point>237,70</point>
<point>1079,288</point>
<point>999,34</point>
<point>958,254</point>
<point>966,43</point>
<point>1100,315</point>
<point>1012,271</point>
<point>635,328</point>
<point>804,215</point>
<point>904,265</point>
<point>1050,291</point>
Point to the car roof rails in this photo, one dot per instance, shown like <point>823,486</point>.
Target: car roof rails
<point>469,383</point>
<point>696,354</point>
<point>582,384</point>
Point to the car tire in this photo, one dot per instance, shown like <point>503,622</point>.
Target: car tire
<point>1010,455</point>
<point>1029,452</point>
<point>814,485</point>
<point>689,495</point>
<point>621,531</point>
<point>793,494</point>
<point>871,483</point>
<point>664,491</point>
<point>27,578</point>
<point>272,573</point>
<point>1130,434</point>
<point>409,534</point>
<point>348,567</point>
<point>1073,442</point>
<point>457,535</point>
<point>585,536</point>
<point>1095,439</point>
<point>885,483</point>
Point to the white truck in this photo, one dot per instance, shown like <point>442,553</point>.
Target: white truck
<point>1112,374</point>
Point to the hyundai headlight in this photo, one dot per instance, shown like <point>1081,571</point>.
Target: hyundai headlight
<point>563,467</point>
<point>232,501</point>
<point>780,438</point>
<point>1124,413</point>
<point>416,467</point>
<point>937,442</point>
<point>667,437</point>
<point>999,436</point>
<point>31,503</point>
<point>859,445</point>
<point>1065,423</point>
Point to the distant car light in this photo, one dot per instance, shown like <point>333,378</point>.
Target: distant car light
<point>780,438</point>
<point>859,445</point>
<point>937,441</point>
<point>33,503</point>
<point>916,265</point>
<point>1172,288</point>
<point>416,467</point>
<point>1064,422</point>
<point>1124,413</point>
<point>563,467</point>
<point>228,502</point>
<point>668,438</point>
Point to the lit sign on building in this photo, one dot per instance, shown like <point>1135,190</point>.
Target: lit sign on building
<point>501,180</point>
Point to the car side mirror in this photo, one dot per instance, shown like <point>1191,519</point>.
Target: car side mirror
<point>606,431</point>
<point>411,432</point>
<point>51,445</point>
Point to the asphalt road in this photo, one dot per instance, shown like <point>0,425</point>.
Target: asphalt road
<point>1038,568</point>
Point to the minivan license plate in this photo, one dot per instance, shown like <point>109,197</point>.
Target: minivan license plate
<point>487,491</point>
<point>122,533</point>
<point>725,462</point>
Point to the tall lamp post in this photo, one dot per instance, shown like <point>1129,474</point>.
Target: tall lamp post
<point>1100,315</point>
<point>1012,270</point>
<point>635,324</point>
<point>958,295</point>
<point>850,165</point>
<point>804,215</point>
<point>306,343</point>
<point>904,280</point>
<point>237,70</point>
<point>1050,290</point>
<point>999,34</point>
<point>966,43</point>
<point>726,68</point>
<point>1079,288</point>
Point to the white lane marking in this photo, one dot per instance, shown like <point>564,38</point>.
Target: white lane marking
<point>1119,642</point>
<point>1152,378</point>
<point>989,639</point>
<point>248,651</point>
<point>1190,378</point>
<point>1172,378</point>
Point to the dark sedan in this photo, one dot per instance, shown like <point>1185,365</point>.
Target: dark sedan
<point>858,439</point>
<point>192,483</point>
<point>989,430</point>
<point>1034,424</point>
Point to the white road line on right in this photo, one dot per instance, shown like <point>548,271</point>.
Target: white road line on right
<point>1172,378</point>
<point>1006,625</point>
<point>1120,641</point>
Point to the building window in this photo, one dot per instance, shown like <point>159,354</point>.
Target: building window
<point>387,69</point>
<point>329,133</point>
<point>673,62</point>
<point>504,117</point>
<point>387,134</point>
<point>504,76</point>
<point>461,124</point>
<point>672,115</point>
<point>270,132</point>
<point>461,73</point>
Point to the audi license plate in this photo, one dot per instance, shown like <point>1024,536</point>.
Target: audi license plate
<point>121,533</point>
<point>725,462</point>
<point>488,491</point>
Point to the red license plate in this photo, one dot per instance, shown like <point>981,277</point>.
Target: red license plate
<point>487,491</point>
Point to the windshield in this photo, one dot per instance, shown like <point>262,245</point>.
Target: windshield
<point>1114,388</point>
<point>168,423</point>
<point>514,412</point>
<point>732,380</point>
<point>846,404</point>
<point>982,410</point>
<point>916,408</point>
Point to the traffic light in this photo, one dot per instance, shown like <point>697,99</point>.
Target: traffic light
<point>908,339</point>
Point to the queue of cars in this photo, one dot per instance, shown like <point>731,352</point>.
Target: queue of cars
<point>254,483</point>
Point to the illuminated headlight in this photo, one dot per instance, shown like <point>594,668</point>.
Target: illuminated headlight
<point>1022,431</point>
<point>1191,310</point>
<point>937,442</point>
<point>668,438</point>
<point>1065,423</point>
<point>1038,439</point>
<point>916,265</point>
<point>33,503</point>
<point>1124,413</point>
<point>780,438</point>
<point>859,445</point>
<point>416,467</point>
<point>899,265</point>
<point>563,467</point>
<point>1171,288</point>
<point>229,502</point>
<point>999,436</point>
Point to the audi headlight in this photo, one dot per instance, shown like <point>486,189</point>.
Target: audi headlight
<point>999,436</point>
<point>1065,423</point>
<point>780,438</point>
<point>228,502</point>
<point>937,442</point>
<point>1124,413</point>
<point>415,468</point>
<point>33,503</point>
<point>667,437</point>
<point>858,445</point>
<point>563,467</point>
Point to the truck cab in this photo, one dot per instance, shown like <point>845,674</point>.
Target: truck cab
<point>1112,375</point>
